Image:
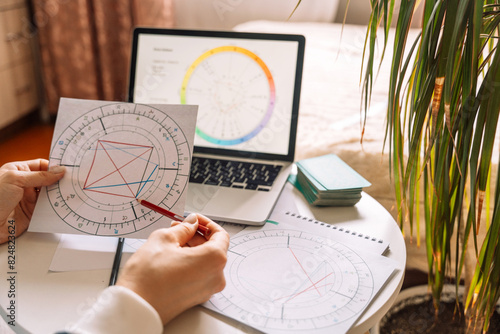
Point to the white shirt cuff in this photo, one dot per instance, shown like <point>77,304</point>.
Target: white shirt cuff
<point>119,310</point>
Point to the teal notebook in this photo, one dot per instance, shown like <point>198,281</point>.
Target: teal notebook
<point>328,181</point>
<point>329,172</point>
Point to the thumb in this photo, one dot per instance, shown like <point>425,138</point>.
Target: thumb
<point>183,232</point>
<point>39,179</point>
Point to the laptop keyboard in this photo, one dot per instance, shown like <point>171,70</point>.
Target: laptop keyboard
<point>236,174</point>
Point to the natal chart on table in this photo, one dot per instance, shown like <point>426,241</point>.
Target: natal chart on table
<point>115,153</point>
<point>282,280</point>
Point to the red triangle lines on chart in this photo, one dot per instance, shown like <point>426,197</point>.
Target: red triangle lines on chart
<point>119,169</point>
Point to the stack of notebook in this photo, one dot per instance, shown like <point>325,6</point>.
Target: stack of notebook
<point>328,181</point>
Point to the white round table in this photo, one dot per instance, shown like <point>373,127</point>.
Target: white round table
<point>47,302</point>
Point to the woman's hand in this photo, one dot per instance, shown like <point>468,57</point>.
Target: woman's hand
<point>19,186</point>
<point>177,268</point>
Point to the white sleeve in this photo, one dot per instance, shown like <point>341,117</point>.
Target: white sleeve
<point>119,310</point>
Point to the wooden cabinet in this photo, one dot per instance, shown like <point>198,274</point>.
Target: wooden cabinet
<point>19,93</point>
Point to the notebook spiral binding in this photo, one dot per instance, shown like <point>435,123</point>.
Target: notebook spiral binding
<point>333,227</point>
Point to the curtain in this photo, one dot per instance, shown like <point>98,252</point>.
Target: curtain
<point>85,44</point>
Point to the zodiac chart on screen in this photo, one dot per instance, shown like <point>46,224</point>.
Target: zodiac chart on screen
<point>114,154</point>
<point>237,87</point>
<point>284,280</point>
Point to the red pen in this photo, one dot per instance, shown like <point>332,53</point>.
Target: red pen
<point>205,231</point>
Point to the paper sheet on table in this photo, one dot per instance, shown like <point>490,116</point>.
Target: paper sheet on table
<point>81,252</point>
<point>281,278</point>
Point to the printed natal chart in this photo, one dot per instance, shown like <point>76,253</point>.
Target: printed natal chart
<point>115,153</point>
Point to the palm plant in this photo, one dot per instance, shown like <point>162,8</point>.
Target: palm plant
<point>442,117</point>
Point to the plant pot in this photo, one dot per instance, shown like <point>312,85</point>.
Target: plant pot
<point>413,312</point>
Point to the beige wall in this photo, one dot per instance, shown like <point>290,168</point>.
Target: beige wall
<point>359,12</point>
<point>225,14</point>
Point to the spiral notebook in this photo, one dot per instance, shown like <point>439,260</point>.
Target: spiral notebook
<point>347,236</point>
<point>299,274</point>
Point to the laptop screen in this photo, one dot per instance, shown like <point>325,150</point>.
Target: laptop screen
<point>247,86</point>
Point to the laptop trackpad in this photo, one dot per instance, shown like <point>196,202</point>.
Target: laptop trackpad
<point>198,197</point>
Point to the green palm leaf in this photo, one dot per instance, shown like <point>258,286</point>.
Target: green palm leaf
<point>446,122</point>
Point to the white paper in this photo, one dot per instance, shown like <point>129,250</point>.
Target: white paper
<point>115,153</point>
<point>282,278</point>
<point>77,252</point>
<point>82,252</point>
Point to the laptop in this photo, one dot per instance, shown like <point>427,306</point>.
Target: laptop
<point>247,87</point>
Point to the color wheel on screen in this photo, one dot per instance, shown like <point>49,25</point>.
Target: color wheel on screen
<point>235,91</point>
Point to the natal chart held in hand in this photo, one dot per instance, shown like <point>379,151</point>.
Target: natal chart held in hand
<point>114,154</point>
